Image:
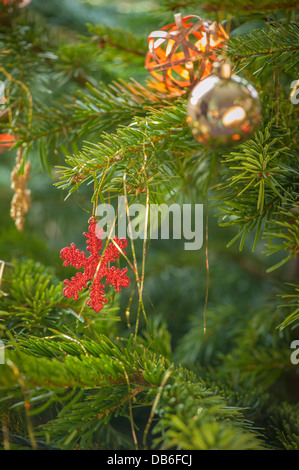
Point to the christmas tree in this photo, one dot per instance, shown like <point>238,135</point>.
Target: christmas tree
<point>129,335</point>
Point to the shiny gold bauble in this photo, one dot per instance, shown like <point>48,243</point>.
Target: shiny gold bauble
<point>223,109</point>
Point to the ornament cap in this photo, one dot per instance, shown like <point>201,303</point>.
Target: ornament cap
<point>222,68</point>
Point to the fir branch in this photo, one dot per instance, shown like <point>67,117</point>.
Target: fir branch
<point>103,391</point>
<point>23,443</point>
<point>95,110</point>
<point>290,297</point>
<point>260,185</point>
<point>284,420</point>
<point>202,432</point>
<point>239,6</point>
<point>123,41</point>
<point>123,152</point>
<point>276,45</point>
<point>34,303</point>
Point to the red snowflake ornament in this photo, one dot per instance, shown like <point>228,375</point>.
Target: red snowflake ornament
<point>96,267</point>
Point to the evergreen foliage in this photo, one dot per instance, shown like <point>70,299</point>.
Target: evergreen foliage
<point>144,373</point>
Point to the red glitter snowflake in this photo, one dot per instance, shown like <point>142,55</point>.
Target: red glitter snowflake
<point>96,267</point>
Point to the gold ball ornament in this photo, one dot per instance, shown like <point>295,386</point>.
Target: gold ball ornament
<point>223,109</point>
